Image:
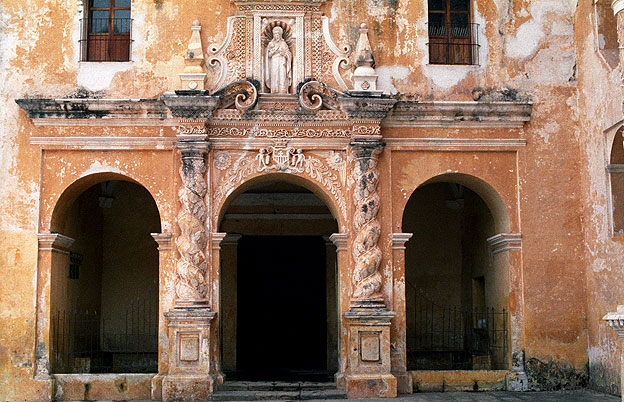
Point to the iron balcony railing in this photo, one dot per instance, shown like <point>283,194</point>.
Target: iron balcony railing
<point>106,39</point>
<point>454,44</point>
<point>84,342</point>
<point>440,329</point>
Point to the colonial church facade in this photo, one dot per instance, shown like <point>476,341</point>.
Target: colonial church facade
<point>370,197</point>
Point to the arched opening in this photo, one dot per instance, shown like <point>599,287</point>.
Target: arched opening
<point>279,317</point>
<point>456,295</point>
<point>616,180</point>
<point>104,300</point>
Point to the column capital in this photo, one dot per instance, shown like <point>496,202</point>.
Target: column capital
<point>399,240</point>
<point>163,240</point>
<point>617,6</point>
<point>616,320</point>
<point>339,240</point>
<point>217,240</point>
<point>54,242</point>
<point>504,242</point>
<point>192,145</point>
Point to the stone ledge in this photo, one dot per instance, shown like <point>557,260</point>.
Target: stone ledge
<point>161,112</point>
<point>458,380</point>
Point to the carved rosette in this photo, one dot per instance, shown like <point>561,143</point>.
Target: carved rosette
<point>367,256</point>
<point>191,284</point>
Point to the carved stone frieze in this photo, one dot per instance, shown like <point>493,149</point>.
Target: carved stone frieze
<point>191,284</point>
<point>283,159</point>
<point>295,132</point>
<point>367,256</point>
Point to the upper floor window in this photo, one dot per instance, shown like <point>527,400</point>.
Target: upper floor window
<point>106,31</point>
<point>615,168</point>
<point>453,38</point>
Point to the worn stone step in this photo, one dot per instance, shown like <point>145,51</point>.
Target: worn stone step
<point>256,395</point>
<point>275,386</point>
<point>307,395</point>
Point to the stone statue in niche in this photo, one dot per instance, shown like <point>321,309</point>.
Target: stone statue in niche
<point>277,63</point>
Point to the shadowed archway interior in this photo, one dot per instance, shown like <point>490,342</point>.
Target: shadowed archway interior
<point>278,285</point>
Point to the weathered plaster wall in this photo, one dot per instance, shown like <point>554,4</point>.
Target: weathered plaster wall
<point>600,100</point>
<point>526,46</point>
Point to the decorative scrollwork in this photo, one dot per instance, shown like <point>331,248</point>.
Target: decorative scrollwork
<point>242,94</point>
<point>313,95</point>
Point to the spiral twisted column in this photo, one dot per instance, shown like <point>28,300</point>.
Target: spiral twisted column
<point>191,283</point>
<point>367,256</point>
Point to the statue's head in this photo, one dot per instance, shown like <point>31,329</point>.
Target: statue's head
<point>277,32</point>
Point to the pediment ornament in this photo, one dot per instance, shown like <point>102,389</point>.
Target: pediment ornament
<point>283,43</point>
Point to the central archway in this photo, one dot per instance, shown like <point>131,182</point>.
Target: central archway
<point>279,317</point>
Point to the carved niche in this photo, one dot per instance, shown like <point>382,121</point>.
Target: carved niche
<point>243,53</point>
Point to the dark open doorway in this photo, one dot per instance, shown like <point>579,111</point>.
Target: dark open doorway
<point>282,314</point>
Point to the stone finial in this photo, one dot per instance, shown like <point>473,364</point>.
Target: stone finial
<point>193,76</point>
<point>364,77</point>
<point>616,320</point>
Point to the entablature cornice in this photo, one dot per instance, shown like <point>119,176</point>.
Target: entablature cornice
<point>241,110</point>
<point>456,114</point>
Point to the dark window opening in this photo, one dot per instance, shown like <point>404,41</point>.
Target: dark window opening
<point>453,39</point>
<point>106,32</point>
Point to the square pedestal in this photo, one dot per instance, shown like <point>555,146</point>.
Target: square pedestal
<point>190,377</point>
<point>369,371</point>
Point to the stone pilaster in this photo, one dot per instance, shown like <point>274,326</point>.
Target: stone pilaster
<point>191,369</point>
<point>616,321</point>
<point>398,353</point>
<point>368,374</point>
<point>53,251</point>
<point>164,241</point>
<point>506,250</point>
<point>340,240</point>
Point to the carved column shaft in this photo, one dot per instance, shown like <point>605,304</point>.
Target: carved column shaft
<point>367,256</point>
<point>191,270</point>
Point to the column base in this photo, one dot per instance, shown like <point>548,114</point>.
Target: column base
<point>405,384</point>
<point>181,388</point>
<point>340,379</point>
<point>371,386</point>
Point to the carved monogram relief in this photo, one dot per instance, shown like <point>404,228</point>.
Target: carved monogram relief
<point>323,167</point>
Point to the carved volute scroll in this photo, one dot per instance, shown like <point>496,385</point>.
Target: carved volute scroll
<point>191,284</point>
<point>367,256</point>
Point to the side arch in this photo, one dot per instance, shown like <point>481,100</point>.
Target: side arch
<point>76,188</point>
<point>487,192</point>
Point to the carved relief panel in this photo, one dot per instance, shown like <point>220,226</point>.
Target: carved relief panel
<point>284,43</point>
<point>325,168</point>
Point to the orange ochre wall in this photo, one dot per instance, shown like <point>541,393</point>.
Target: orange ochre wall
<point>554,187</point>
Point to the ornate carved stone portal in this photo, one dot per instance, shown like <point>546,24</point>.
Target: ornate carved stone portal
<point>279,104</point>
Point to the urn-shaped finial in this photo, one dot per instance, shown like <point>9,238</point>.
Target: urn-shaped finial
<point>364,77</point>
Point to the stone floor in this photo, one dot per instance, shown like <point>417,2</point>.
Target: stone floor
<point>563,396</point>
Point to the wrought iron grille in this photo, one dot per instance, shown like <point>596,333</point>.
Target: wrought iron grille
<point>106,39</point>
<point>454,43</point>
<point>83,342</point>
<point>459,336</point>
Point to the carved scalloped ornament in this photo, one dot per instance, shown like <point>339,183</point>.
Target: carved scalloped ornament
<point>246,165</point>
